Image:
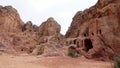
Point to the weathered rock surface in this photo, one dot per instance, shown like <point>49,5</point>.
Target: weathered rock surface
<point>94,33</point>
<point>29,27</point>
<point>49,28</point>
<point>50,38</point>
<point>17,37</point>
<point>100,24</point>
<point>10,20</point>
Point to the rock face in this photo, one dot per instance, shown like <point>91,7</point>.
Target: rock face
<point>94,33</point>
<point>50,38</point>
<point>10,20</point>
<point>17,37</point>
<point>29,27</point>
<point>97,30</point>
<point>49,28</point>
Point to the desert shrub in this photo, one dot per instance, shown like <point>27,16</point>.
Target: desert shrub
<point>117,61</point>
<point>72,52</point>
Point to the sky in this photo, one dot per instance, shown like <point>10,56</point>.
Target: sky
<point>39,11</point>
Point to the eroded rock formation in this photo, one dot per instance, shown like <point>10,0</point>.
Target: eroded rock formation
<point>49,28</point>
<point>97,30</point>
<point>94,33</point>
<point>18,37</point>
<point>50,38</point>
<point>10,20</point>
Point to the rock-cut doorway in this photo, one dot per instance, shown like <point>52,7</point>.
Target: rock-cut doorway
<point>88,44</point>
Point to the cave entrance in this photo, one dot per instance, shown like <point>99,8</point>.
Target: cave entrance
<point>74,41</point>
<point>88,44</point>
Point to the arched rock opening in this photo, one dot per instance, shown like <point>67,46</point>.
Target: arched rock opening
<point>88,44</point>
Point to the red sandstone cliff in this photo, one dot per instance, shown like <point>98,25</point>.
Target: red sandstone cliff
<point>94,33</point>
<point>10,20</point>
<point>19,37</point>
<point>101,25</point>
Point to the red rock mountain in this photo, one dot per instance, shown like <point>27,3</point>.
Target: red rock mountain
<point>19,37</point>
<point>97,29</point>
<point>93,33</point>
<point>10,20</point>
<point>49,27</point>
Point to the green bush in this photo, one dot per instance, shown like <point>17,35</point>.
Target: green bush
<point>117,62</point>
<point>72,53</point>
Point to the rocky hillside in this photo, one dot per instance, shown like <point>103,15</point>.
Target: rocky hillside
<point>97,30</point>
<point>10,20</point>
<point>18,37</point>
<point>93,33</point>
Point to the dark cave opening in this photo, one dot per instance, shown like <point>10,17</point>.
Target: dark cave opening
<point>88,44</point>
<point>74,41</point>
<point>100,31</point>
<point>22,49</point>
<point>92,33</point>
<point>84,35</point>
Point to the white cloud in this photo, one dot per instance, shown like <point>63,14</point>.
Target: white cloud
<point>41,5</point>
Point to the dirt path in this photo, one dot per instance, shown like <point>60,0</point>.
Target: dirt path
<point>9,61</point>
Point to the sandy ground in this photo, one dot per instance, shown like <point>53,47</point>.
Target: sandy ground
<point>25,61</point>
